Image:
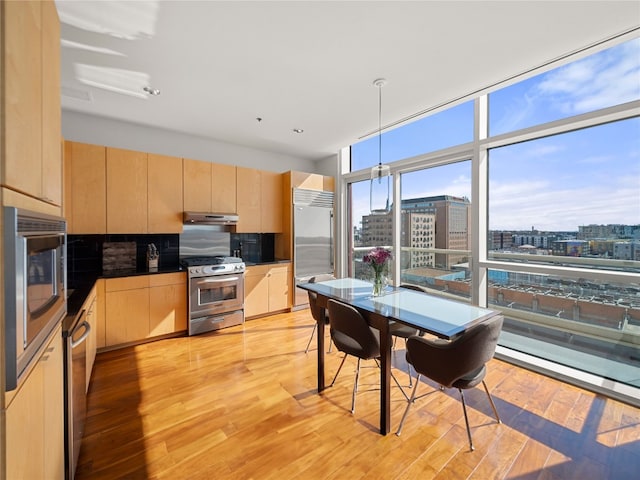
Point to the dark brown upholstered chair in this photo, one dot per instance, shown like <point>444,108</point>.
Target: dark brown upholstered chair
<point>398,330</point>
<point>352,335</point>
<point>457,364</point>
<point>318,313</point>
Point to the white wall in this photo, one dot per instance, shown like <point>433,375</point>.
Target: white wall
<point>80,127</point>
<point>327,166</point>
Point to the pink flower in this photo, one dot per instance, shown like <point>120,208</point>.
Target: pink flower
<point>377,257</point>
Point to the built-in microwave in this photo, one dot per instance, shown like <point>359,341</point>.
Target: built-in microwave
<point>35,286</point>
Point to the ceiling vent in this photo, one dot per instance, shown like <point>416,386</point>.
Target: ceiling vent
<point>77,94</point>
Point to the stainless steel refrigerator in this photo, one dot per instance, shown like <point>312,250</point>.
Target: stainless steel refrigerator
<point>312,238</point>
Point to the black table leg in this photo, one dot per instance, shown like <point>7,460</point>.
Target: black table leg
<point>320,333</point>
<point>385,378</point>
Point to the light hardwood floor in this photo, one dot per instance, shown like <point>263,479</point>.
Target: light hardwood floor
<point>241,403</point>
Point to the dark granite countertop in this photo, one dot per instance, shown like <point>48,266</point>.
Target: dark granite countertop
<point>75,299</point>
<point>276,261</point>
<point>76,296</point>
<point>135,273</point>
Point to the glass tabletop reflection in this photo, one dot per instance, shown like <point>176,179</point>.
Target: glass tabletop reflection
<point>436,315</point>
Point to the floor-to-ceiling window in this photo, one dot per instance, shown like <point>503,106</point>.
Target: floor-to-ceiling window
<point>569,204</point>
<point>440,131</point>
<point>367,231</point>
<point>560,249</point>
<point>435,234</point>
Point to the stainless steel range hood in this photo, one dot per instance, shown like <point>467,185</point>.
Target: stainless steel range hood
<point>202,218</point>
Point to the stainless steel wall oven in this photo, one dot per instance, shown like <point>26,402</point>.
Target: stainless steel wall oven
<point>35,285</point>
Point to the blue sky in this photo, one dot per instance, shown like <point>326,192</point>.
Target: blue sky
<point>556,183</point>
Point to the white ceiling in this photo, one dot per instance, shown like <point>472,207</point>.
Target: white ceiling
<point>311,65</point>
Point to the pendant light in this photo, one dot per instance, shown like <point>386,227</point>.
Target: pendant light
<point>380,188</point>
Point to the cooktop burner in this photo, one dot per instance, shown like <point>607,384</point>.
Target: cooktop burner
<point>199,261</point>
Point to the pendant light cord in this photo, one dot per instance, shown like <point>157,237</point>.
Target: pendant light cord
<point>379,172</point>
<point>380,84</point>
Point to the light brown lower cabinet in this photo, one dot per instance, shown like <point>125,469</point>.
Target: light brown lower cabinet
<point>126,309</point>
<point>91,308</point>
<point>167,304</point>
<point>144,306</point>
<point>267,289</point>
<point>35,419</point>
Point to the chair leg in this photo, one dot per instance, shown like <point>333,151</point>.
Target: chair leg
<point>394,379</point>
<point>355,388</point>
<point>466,419</point>
<point>493,405</point>
<point>408,366</point>
<point>339,368</point>
<point>399,386</point>
<point>315,327</point>
<point>409,402</point>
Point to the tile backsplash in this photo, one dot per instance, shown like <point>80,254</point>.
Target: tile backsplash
<point>254,247</point>
<point>85,255</point>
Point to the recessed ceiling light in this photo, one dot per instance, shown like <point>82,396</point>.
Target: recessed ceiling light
<point>151,91</point>
<point>298,130</point>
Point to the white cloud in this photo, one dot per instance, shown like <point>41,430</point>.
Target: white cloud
<point>607,78</point>
<point>459,186</point>
<point>594,160</point>
<point>538,150</point>
<point>604,79</point>
<point>518,206</point>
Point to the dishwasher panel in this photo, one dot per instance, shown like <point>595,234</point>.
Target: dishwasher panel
<point>75,389</point>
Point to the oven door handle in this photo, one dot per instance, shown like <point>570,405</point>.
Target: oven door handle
<point>219,280</point>
<point>83,337</point>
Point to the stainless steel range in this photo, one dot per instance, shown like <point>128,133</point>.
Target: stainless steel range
<point>215,279</point>
<point>216,292</point>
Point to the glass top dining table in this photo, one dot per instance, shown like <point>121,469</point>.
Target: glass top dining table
<point>432,314</point>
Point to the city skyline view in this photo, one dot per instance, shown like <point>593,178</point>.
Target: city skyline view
<point>556,183</point>
<point>564,159</point>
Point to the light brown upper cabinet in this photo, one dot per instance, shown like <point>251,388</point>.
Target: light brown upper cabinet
<point>164,200</point>
<point>137,192</point>
<point>33,156</point>
<point>85,188</point>
<point>196,185</point>
<point>209,187</point>
<point>51,113</point>
<point>223,188</point>
<point>312,181</point>
<point>126,191</point>
<point>248,198</point>
<point>259,200</point>
<point>271,202</point>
